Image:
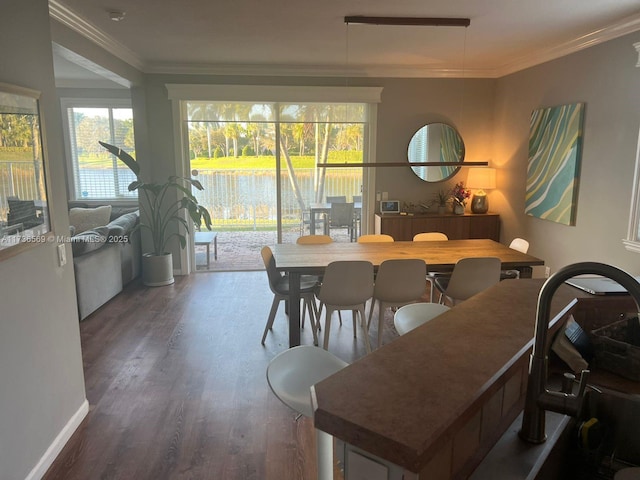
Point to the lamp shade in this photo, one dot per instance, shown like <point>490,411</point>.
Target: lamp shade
<point>481,178</point>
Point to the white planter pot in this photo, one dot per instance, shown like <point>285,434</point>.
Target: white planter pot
<point>157,270</point>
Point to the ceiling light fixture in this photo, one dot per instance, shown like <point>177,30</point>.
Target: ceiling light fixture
<point>117,16</point>
<point>402,21</point>
<point>409,21</point>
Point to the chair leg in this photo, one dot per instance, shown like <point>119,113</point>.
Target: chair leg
<point>318,313</point>
<point>430,280</point>
<point>327,327</point>
<point>304,313</point>
<point>367,343</point>
<point>373,303</point>
<point>272,316</point>
<point>312,320</point>
<point>380,323</point>
<point>355,323</point>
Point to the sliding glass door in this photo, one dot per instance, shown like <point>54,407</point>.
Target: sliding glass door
<point>264,165</point>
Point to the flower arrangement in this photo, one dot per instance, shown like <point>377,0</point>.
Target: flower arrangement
<point>460,194</point>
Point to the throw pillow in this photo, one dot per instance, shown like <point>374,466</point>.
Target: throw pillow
<point>89,241</point>
<point>84,219</point>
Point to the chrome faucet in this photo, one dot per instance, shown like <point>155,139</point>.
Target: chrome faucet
<point>538,398</point>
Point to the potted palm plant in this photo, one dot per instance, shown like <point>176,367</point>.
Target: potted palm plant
<point>163,214</point>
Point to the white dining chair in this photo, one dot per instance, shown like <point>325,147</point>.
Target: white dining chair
<point>375,238</point>
<point>313,239</point>
<point>470,276</point>
<point>347,285</point>
<point>431,237</point>
<point>397,283</point>
<point>522,246</point>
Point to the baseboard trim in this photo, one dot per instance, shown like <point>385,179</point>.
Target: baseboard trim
<point>58,444</point>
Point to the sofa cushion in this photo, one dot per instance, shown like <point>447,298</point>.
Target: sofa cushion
<point>122,225</point>
<point>89,241</point>
<point>84,219</point>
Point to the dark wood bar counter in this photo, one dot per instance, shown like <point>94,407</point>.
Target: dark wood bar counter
<point>434,401</point>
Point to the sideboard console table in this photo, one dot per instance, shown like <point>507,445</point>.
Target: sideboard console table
<point>456,227</point>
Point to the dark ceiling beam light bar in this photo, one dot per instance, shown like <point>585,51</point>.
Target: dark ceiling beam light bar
<point>403,164</point>
<point>408,21</point>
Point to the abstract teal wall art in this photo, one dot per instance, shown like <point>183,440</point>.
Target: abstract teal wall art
<point>555,148</point>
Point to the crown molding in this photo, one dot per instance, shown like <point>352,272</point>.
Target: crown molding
<point>615,30</point>
<point>70,19</point>
<point>75,22</point>
<point>362,71</point>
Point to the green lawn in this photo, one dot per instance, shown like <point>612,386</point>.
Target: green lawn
<point>233,163</point>
<point>16,155</point>
<point>268,162</point>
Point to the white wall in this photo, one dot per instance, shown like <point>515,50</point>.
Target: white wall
<point>606,79</point>
<point>41,379</point>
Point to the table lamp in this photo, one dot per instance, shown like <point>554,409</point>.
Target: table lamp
<point>481,178</point>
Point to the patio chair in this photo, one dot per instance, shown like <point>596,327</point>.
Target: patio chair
<point>341,216</point>
<point>23,212</point>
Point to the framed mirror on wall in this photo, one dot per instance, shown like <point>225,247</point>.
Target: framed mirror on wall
<point>436,142</point>
<point>24,205</point>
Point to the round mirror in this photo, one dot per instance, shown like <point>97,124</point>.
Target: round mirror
<point>436,142</point>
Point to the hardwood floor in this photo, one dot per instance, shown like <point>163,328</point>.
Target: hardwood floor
<point>175,378</point>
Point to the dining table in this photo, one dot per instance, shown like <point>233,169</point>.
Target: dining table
<point>440,256</point>
<point>316,209</point>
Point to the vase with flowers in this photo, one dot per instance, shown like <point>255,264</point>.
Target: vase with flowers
<point>459,194</point>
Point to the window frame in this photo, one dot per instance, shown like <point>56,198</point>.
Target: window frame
<point>632,242</point>
<point>94,102</point>
<point>180,94</point>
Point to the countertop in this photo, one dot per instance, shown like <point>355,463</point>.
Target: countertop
<point>403,400</point>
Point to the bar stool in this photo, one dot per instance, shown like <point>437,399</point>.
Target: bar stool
<point>415,314</point>
<point>290,375</point>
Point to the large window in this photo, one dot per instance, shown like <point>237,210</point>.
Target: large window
<point>94,173</point>
<point>241,149</point>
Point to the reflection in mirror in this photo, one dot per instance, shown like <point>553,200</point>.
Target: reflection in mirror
<point>436,142</point>
<point>24,215</point>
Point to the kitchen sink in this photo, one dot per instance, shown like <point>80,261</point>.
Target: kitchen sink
<point>596,449</point>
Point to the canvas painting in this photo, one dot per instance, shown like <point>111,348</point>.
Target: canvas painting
<point>555,147</point>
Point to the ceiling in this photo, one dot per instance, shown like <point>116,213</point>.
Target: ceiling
<point>301,37</point>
